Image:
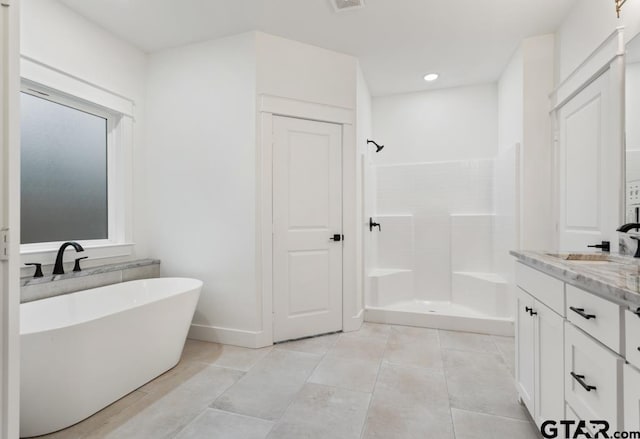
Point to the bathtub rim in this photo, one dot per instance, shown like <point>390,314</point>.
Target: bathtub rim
<point>198,284</point>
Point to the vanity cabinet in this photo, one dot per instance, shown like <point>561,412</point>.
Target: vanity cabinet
<point>539,351</point>
<point>578,354</point>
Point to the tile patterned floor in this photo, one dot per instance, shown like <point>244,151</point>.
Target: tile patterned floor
<point>382,382</point>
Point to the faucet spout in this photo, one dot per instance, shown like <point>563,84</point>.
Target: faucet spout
<point>58,268</point>
<point>626,227</point>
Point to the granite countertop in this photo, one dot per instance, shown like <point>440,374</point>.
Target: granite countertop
<point>30,280</point>
<point>617,280</point>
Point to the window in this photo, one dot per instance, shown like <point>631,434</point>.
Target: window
<point>64,174</point>
<point>76,165</point>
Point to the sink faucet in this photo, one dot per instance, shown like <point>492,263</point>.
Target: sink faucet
<point>625,229</point>
<point>58,268</point>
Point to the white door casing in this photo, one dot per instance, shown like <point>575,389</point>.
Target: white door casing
<point>589,165</point>
<point>9,220</point>
<point>307,213</point>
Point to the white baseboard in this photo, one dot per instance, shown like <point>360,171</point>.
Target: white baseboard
<point>354,323</point>
<point>236,337</point>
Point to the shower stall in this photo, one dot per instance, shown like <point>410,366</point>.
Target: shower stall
<point>440,255</point>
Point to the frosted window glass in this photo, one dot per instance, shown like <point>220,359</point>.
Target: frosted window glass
<point>64,173</point>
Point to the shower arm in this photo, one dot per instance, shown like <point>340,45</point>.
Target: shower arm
<point>378,147</point>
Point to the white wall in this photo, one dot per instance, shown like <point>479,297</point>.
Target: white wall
<point>525,142</point>
<point>511,102</point>
<point>522,168</point>
<point>201,166</point>
<point>299,71</point>
<point>506,183</point>
<point>54,35</point>
<point>586,27</point>
<point>536,174</point>
<point>204,169</point>
<point>450,124</point>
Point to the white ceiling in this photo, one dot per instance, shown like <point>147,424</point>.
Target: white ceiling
<point>397,41</point>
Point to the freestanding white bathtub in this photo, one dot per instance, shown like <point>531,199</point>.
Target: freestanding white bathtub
<point>83,351</point>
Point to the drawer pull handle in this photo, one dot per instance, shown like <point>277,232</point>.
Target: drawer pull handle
<point>581,312</point>
<point>580,380</point>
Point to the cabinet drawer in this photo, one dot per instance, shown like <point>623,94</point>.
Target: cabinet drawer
<point>593,378</point>
<point>632,338</point>
<point>544,288</point>
<point>598,317</point>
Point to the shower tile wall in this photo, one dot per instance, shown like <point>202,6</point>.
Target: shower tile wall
<point>396,243</point>
<point>431,192</point>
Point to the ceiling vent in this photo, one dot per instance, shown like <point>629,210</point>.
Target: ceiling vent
<point>346,5</point>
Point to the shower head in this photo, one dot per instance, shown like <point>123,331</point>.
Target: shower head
<point>378,147</point>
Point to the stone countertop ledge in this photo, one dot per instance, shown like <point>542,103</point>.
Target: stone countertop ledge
<point>89,271</point>
<point>617,280</point>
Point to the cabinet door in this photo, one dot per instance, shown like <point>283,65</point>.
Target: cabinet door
<point>549,365</point>
<point>631,398</point>
<point>525,350</point>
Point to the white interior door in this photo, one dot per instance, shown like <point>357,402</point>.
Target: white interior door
<point>307,213</point>
<point>590,167</point>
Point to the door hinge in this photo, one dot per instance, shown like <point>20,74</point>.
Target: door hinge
<point>4,244</point>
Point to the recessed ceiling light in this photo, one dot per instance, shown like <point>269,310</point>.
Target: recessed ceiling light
<point>431,77</point>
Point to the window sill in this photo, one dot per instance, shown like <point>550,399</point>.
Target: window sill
<point>46,254</point>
